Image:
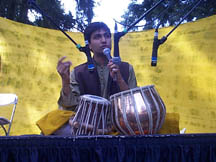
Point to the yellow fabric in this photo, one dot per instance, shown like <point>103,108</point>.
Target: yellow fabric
<point>171,124</point>
<point>184,76</point>
<point>52,121</point>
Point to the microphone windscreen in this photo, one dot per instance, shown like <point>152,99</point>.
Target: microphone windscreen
<point>106,52</point>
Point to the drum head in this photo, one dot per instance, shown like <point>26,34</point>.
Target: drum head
<point>130,91</point>
<point>96,99</point>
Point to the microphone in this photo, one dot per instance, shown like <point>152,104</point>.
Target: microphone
<point>106,52</point>
<point>115,60</point>
<point>157,42</point>
<point>155,49</point>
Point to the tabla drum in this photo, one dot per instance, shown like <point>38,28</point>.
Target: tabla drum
<point>137,111</point>
<point>93,116</point>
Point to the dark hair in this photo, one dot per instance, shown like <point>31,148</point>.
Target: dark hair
<point>94,27</point>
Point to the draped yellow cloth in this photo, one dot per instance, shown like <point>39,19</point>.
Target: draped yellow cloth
<point>171,124</point>
<point>184,76</point>
<point>52,121</point>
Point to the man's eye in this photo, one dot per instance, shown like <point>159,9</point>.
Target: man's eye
<point>107,35</point>
<point>97,37</point>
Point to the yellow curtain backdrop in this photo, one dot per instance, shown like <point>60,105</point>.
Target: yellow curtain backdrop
<point>185,75</point>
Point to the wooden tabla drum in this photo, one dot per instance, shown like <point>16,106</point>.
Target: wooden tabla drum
<point>93,116</point>
<point>137,111</point>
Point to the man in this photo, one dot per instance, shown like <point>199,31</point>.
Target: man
<point>81,81</point>
<point>99,38</point>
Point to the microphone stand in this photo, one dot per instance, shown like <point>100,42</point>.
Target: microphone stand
<point>85,49</point>
<point>157,42</point>
<point>118,35</point>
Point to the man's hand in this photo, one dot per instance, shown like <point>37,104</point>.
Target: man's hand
<point>63,69</point>
<point>114,71</point>
<point>116,75</point>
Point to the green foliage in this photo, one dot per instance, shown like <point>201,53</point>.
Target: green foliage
<point>14,10</point>
<point>17,10</point>
<point>55,11</point>
<point>85,10</point>
<point>169,12</point>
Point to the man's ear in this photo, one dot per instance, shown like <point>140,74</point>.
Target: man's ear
<point>90,46</point>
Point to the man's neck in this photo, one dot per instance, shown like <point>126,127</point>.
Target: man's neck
<point>100,59</point>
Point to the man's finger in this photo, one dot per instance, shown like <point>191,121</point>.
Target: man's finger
<point>64,66</point>
<point>61,59</point>
<point>68,63</point>
<point>114,70</point>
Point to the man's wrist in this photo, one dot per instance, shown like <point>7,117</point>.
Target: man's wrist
<point>65,82</point>
<point>66,88</point>
<point>122,84</point>
<point>121,81</point>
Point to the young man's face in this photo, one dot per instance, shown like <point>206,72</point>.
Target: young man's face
<point>99,40</point>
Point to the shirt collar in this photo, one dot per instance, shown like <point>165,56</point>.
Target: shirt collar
<point>97,64</point>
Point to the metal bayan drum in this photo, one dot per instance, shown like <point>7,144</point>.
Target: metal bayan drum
<point>138,111</point>
<point>93,116</point>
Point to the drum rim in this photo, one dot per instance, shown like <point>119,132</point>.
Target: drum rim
<point>128,91</point>
<point>93,98</point>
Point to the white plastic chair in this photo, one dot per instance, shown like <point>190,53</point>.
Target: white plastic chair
<point>7,99</point>
<point>183,131</point>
